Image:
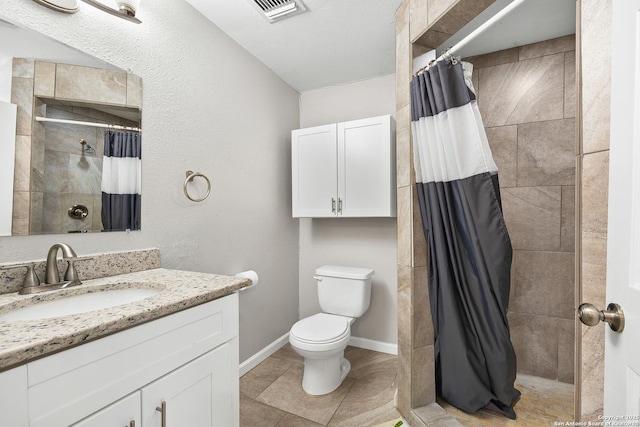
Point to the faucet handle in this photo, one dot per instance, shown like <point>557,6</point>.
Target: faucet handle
<point>71,275</point>
<point>31,279</point>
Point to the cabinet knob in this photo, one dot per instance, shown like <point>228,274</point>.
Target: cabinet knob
<point>333,205</point>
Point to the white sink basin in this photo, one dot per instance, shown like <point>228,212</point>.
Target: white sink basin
<point>76,304</point>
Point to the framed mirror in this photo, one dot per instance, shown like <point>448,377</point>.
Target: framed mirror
<point>58,109</point>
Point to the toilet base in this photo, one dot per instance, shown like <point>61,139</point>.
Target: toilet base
<point>322,376</point>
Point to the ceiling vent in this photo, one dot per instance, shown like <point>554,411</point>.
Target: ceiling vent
<point>275,10</point>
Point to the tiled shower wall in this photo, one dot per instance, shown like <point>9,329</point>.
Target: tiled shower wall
<point>526,96</point>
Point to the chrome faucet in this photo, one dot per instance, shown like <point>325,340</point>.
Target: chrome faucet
<point>52,275</point>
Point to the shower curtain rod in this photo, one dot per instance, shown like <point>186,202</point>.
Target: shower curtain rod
<point>448,53</point>
<point>81,123</point>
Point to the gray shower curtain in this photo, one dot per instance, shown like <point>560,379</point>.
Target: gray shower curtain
<point>468,243</point>
<point>121,181</point>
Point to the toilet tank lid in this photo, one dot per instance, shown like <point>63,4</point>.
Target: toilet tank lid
<point>345,272</point>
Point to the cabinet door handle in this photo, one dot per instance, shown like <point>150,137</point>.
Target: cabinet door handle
<point>333,205</point>
<point>163,410</point>
<point>339,205</point>
<point>132,423</point>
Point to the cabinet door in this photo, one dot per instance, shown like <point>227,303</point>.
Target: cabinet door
<point>314,165</point>
<point>123,413</point>
<point>13,397</point>
<point>366,168</point>
<point>196,394</point>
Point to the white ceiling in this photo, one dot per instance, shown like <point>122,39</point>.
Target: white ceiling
<point>333,42</point>
<point>342,41</point>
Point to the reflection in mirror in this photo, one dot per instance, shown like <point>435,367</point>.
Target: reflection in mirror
<point>58,106</point>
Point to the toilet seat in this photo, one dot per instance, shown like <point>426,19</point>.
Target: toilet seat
<point>321,332</point>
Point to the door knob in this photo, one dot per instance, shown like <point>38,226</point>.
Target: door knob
<point>591,316</point>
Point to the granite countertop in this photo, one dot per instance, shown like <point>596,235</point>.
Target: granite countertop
<point>26,340</point>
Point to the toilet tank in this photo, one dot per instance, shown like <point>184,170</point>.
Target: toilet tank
<point>345,291</point>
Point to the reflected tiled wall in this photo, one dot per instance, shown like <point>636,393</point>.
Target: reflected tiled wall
<point>526,96</point>
<point>52,170</point>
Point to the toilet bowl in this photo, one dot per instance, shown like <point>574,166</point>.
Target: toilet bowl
<point>344,294</point>
<point>321,340</point>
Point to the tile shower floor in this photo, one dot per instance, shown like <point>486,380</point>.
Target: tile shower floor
<point>271,395</point>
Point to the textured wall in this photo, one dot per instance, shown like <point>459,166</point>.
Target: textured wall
<point>358,242</point>
<point>526,96</point>
<point>208,106</point>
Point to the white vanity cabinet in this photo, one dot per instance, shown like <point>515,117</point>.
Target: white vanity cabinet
<point>344,169</point>
<point>187,360</point>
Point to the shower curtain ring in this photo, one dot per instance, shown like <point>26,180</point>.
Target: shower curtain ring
<point>190,176</point>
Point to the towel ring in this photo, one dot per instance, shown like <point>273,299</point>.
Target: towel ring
<point>190,176</point>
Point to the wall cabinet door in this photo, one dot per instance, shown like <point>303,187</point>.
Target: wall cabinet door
<point>123,413</point>
<point>314,164</point>
<point>366,168</point>
<point>196,394</point>
<point>344,169</point>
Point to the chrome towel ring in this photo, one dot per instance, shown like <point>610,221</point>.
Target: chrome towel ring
<point>190,176</point>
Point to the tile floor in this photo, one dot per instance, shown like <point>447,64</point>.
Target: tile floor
<point>271,395</point>
<point>542,403</point>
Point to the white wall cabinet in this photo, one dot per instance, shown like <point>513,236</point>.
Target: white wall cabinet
<point>188,360</point>
<point>344,169</point>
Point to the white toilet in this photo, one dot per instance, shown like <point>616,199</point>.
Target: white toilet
<point>344,294</point>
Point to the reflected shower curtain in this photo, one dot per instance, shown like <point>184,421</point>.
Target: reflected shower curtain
<point>469,247</point>
<point>121,179</point>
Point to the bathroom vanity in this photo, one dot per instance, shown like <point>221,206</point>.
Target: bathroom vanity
<point>170,359</point>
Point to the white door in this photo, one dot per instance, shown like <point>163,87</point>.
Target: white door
<point>314,172</point>
<point>622,350</point>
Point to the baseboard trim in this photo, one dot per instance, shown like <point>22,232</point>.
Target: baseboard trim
<point>382,347</point>
<point>262,355</point>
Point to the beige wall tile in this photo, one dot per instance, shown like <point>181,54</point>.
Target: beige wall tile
<point>543,283</point>
<point>91,84</point>
<point>570,84</point>
<point>568,220</point>
<point>403,56</point>
<point>436,8</point>
<point>566,350</point>
<point>23,68</point>
<point>37,213</point>
<point>423,386</point>
<point>422,322</point>
<point>404,224</point>
<point>419,241</point>
<point>44,79</point>
<point>22,167</point>
<point>404,159</point>
<point>595,191</point>
<point>503,141</point>
<point>548,47</point>
<point>22,96</point>
<point>405,334</point>
<point>533,217</point>
<point>592,378</point>
<point>134,91</point>
<point>594,268</point>
<point>546,153</point>
<point>596,74</point>
<point>418,17</point>
<point>522,92</point>
<point>535,340</point>
<point>495,58</point>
